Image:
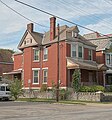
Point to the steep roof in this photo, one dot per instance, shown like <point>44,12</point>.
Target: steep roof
<point>64,35</point>
<point>36,36</point>
<point>102,42</point>
<point>6,55</point>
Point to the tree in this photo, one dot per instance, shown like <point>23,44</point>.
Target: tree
<point>76,80</point>
<point>16,88</point>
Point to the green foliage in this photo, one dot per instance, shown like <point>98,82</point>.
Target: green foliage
<point>54,88</point>
<point>94,88</point>
<point>16,88</point>
<point>97,88</point>
<point>64,94</point>
<point>85,89</point>
<point>43,88</point>
<point>76,80</point>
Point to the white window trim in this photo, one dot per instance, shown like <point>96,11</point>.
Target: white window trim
<point>47,74</point>
<point>43,54</point>
<point>72,49</point>
<point>91,55</point>
<point>34,54</point>
<point>35,68</point>
<point>82,51</point>
<point>38,76</point>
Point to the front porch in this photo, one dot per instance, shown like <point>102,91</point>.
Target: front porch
<point>89,70</point>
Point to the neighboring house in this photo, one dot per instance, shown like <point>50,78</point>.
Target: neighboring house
<point>37,63</point>
<point>103,54</point>
<point>6,61</point>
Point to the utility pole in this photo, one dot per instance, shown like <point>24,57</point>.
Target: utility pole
<point>58,66</point>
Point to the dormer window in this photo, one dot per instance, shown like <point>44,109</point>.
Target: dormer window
<point>74,34</point>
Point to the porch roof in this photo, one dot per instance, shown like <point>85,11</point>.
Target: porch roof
<point>84,64</point>
<point>13,72</point>
<point>81,64</point>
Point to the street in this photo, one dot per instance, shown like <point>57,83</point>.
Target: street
<point>43,111</point>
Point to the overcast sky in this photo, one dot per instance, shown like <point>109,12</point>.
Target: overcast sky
<point>94,14</point>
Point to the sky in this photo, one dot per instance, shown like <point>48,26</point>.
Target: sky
<point>92,14</point>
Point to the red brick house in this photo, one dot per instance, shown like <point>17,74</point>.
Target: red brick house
<point>6,61</point>
<point>37,64</point>
<point>103,55</point>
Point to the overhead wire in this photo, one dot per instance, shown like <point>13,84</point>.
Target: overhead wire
<point>38,9</point>
<point>23,15</point>
<point>76,8</point>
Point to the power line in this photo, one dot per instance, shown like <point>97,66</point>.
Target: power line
<point>65,3</point>
<point>22,15</point>
<point>56,16</point>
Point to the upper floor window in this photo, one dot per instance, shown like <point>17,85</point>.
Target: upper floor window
<point>108,59</point>
<point>45,54</point>
<point>36,54</point>
<point>73,49</point>
<point>45,75</point>
<point>89,54</point>
<point>80,51</point>
<point>35,76</point>
<point>74,34</point>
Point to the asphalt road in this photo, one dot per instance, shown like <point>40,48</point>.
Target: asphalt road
<point>42,111</point>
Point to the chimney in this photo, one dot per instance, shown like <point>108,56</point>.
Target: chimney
<point>30,27</point>
<point>52,28</point>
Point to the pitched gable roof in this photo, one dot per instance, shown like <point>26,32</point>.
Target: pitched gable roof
<point>64,36</point>
<point>36,36</point>
<point>102,42</point>
<point>6,55</point>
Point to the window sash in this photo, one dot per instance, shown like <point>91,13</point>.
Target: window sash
<point>80,52</point>
<point>45,55</point>
<point>90,54</point>
<point>73,50</point>
<point>36,54</point>
<point>35,76</point>
<point>45,75</point>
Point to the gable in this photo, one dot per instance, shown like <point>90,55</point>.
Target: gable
<point>27,40</point>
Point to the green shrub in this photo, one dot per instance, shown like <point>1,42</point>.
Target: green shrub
<point>43,88</point>
<point>94,88</point>
<point>85,89</point>
<point>64,94</point>
<point>97,88</point>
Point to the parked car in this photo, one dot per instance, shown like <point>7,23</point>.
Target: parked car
<point>5,93</point>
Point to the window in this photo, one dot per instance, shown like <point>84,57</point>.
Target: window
<point>80,52</point>
<point>45,54</point>
<point>90,54</point>
<point>36,76</point>
<point>36,55</point>
<point>73,51</point>
<point>74,34</point>
<point>2,88</point>
<point>108,59</point>
<point>45,74</point>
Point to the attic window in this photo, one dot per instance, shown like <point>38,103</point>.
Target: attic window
<point>30,40</point>
<point>74,34</point>
<point>24,42</point>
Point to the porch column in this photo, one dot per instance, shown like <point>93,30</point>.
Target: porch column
<point>69,78</point>
<point>104,78</point>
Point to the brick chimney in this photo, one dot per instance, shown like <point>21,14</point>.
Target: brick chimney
<point>52,28</point>
<point>30,27</point>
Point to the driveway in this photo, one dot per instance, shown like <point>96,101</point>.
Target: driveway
<point>42,111</point>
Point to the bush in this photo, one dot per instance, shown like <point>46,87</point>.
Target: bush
<point>43,88</point>
<point>97,88</point>
<point>85,89</point>
<point>94,88</point>
<point>64,94</point>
